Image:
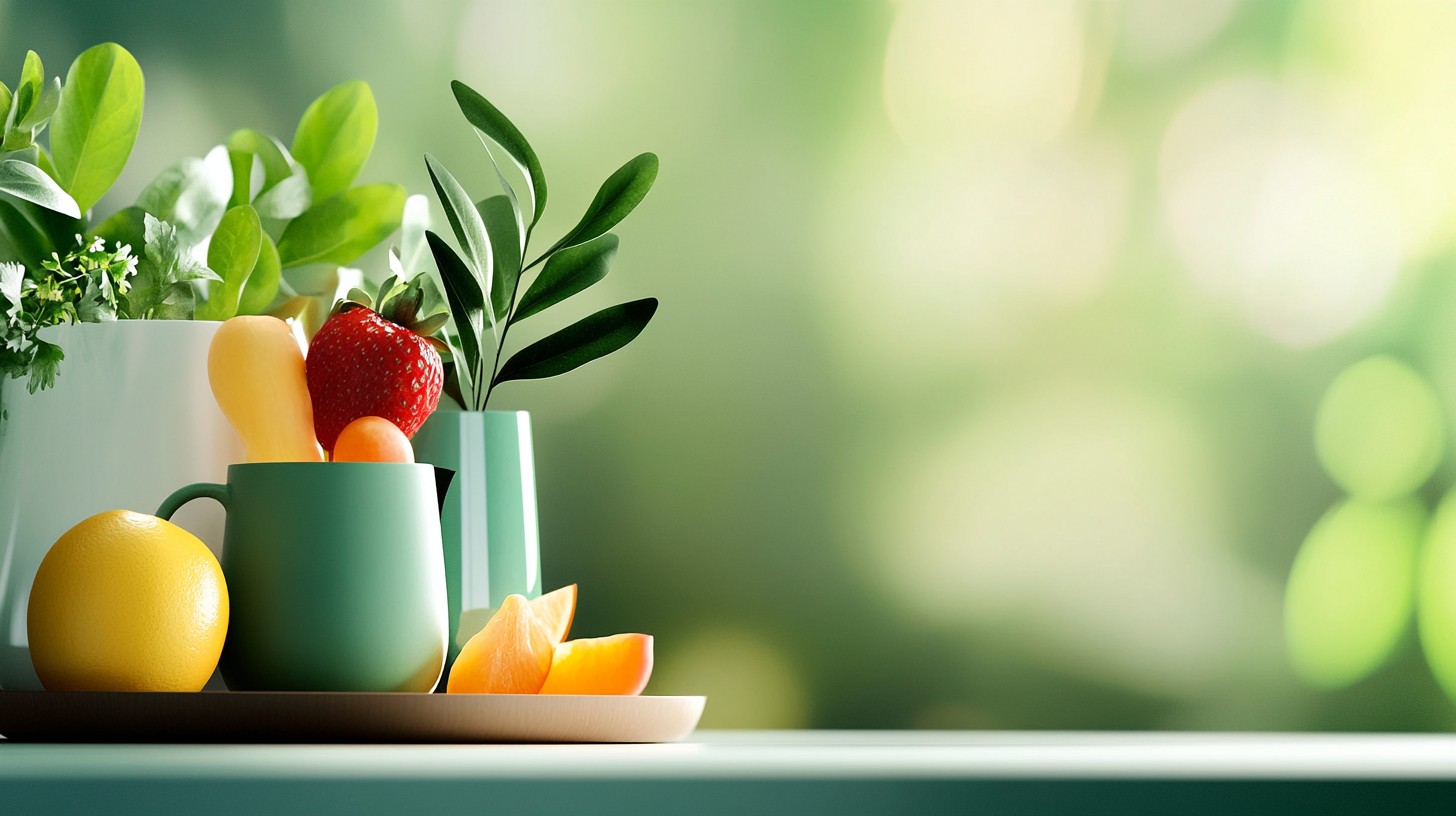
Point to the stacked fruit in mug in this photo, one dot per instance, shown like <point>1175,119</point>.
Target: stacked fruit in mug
<point>372,377</point>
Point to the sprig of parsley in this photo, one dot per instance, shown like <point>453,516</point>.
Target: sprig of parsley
<point>88,284</point>
<point>93,284</point>
<point>163,289</point>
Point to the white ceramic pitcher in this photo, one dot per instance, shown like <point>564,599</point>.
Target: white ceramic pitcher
<point>130,419</point>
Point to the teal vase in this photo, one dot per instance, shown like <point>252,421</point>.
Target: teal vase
<point>488,525</point>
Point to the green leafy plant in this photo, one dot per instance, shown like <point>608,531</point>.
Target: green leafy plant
<point>482,281</point>
<point>282,221</point>
<point>216,236</point>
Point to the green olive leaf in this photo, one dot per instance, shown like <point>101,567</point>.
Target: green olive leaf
<point>566,273</point>
<point>576,345</point>
<point>467,305</point>
<point>487,119</point>
<point>502,225</point>
<point>465,222</point>
<point>618,196</point>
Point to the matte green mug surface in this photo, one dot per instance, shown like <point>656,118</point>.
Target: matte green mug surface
<point>335,575</point>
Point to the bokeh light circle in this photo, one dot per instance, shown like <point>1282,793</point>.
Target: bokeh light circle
<point>1270,209</point>
<point>1436,596</point>
<point>959,70</point>
<point>1351,590</point>
<point>1379,431</point>
<point>1397,71</point>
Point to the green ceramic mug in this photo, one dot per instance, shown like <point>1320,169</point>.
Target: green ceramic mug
<point>335,576</point>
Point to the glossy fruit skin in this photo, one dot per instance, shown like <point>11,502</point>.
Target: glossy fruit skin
<point>511,655</point>
<point>127,602</point>
<point>256,370</point>
<point>361,364</point>
<point>618,664</point>
<point>373,439</point>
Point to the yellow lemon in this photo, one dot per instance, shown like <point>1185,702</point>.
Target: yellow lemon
<point>127,602</point>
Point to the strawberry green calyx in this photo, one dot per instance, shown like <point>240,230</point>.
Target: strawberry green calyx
<point>375,359</point>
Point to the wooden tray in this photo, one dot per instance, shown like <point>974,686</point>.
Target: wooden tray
<point>287,716</point>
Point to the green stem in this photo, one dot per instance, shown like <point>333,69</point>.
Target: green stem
<point>510,317</point>
<point>543,257</point>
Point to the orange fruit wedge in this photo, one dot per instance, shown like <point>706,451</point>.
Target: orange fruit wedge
<point>619,664</point>
<point>554,611</point>
<point>511,655</point>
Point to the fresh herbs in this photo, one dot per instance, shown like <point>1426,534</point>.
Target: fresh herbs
<point>88,284</point>
<point>163,289</point>
<point>482,282</point>
<point>92,284</point>
<point>252,227</point>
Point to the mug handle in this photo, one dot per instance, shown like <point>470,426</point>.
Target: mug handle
<point>200,490</point>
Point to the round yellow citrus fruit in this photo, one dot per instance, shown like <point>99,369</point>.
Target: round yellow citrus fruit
<point>127,602</point>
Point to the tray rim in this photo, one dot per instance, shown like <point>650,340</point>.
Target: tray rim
<point>342,717</point>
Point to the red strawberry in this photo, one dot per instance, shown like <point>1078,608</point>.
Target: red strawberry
<point>367,363</point>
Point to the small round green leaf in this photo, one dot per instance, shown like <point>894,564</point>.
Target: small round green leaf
<point>343,227</point>
<point>232,254</point>
<point>335,136</point>
<point>96,123</point>
<point>262,285</point>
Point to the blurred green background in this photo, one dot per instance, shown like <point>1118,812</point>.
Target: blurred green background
<point>995,379</point>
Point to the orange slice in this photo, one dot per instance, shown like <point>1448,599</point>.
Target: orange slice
<point>511,655</point>
<point>619,664</point>
<point>555,610</point>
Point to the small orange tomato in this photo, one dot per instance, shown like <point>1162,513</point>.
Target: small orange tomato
<point>373,439</point>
